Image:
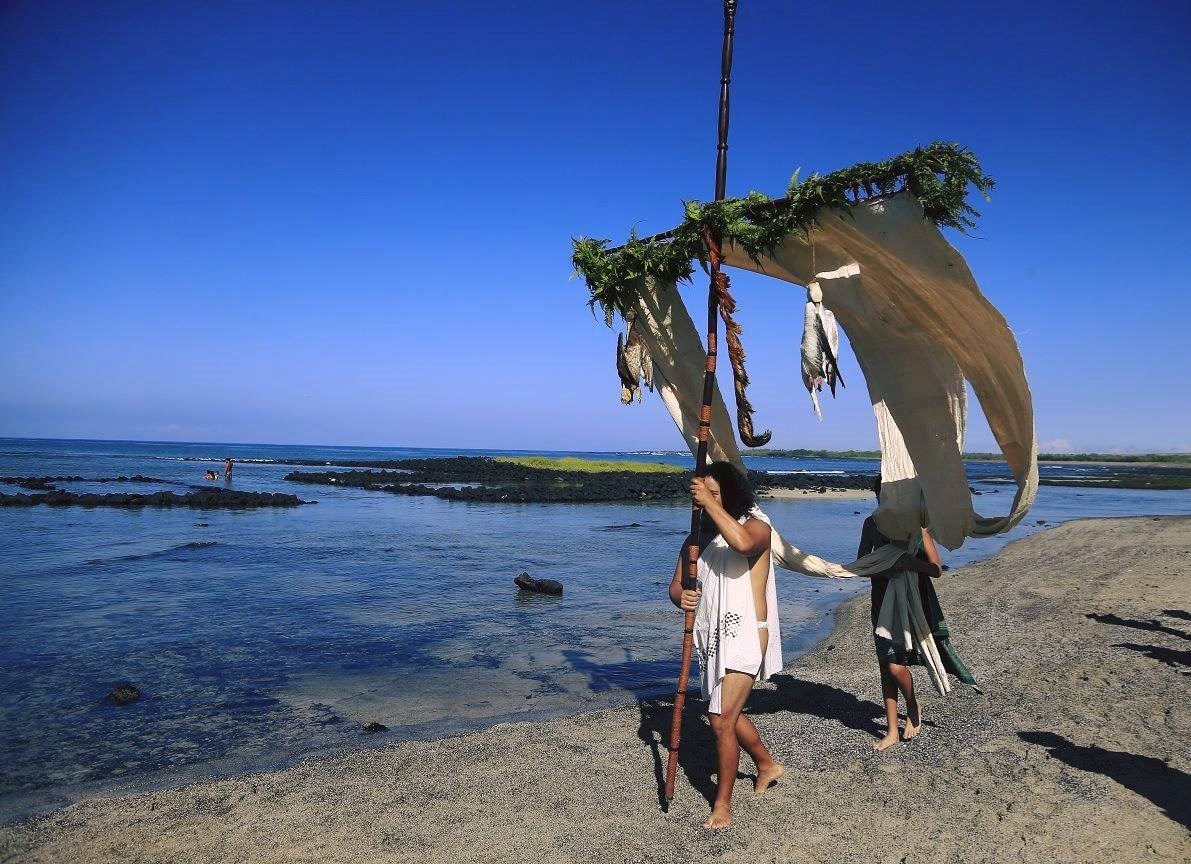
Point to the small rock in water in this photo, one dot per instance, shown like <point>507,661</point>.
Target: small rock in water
<point>1041,522</point>
<point>124,693</point>
<point>539,586</point>
<point>372,727</point>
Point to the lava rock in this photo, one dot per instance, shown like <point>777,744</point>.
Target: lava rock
<point>124,693</point>
<point>372,727</point>
<point>209,499</point>
<point>539,586</point>
<point>489,480</point>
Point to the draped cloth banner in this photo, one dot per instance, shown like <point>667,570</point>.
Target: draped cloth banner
<point>919,327</point>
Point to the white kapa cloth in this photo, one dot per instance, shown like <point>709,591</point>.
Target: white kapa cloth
<point>726,618</point>
<point>919,327</point>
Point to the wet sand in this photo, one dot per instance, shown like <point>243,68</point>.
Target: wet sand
<point>1076,752</point>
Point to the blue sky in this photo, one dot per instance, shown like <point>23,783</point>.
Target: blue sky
<point>350,222</point>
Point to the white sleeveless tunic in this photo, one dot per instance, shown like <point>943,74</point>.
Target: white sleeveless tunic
<point>726,618</point>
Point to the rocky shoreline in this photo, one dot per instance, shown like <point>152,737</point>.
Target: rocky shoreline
<point>1148,478</point>
<point>482,479</point>
<point>47,484</point>
<point>45,491</point>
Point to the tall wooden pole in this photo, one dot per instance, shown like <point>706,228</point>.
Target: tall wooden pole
<point>690,577</point>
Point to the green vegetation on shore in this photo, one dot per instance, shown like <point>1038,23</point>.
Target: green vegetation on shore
<point>591,466</point>
<point>1165,458</point>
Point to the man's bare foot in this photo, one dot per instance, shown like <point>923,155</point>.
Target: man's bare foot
<point>766,776</point>
<point>913,722</point>
<point>720,818</point>
<point>888,741</point>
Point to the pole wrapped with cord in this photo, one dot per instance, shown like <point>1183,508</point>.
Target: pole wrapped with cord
<point>718,285</point>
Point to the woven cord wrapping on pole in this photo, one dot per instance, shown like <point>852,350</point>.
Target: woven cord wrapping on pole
<point>690,576</point>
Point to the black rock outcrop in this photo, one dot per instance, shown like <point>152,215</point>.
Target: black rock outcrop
<point>209,499</point>
<point>124,693</point>
<point>539,586</point>
<point>482,479</point>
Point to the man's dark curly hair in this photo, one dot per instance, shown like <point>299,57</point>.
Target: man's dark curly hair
<point>736,494</point>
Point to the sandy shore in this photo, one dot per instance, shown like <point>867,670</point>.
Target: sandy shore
<point>1076,752</point>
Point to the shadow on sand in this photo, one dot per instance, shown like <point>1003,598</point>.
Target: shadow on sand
<point>1150,778</point>
<point>1172,657</point>
<point>1175,659</point>
<point>696,757</point>
<point>1150,626</point>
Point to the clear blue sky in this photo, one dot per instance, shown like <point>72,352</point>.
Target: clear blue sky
<point>350,222</point>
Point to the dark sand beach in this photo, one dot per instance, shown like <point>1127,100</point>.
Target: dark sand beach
<point>1077,751</point>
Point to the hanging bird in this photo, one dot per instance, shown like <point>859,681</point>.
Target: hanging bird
<point>820,347</point>
<point>627,383</point>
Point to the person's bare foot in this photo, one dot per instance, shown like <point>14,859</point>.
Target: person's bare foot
<point>888,741</point>
<point>766,776</point>
<point>720,818</point>
<point>913,722</point>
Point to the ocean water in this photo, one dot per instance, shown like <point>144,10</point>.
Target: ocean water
<point>260,637</point>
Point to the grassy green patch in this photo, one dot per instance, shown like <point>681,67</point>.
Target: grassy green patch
<point>591,466</point>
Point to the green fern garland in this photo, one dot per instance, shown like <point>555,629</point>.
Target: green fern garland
<point>938,176</point>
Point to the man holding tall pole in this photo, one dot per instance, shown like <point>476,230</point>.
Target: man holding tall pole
<point>740,542</point>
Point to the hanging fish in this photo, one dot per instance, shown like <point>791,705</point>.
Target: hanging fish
<point>820,347</point>
<point>634,364</point>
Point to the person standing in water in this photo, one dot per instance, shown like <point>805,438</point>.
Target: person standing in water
<point>894,662</point>
<point>736,624</point>
<point>227,469</point>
